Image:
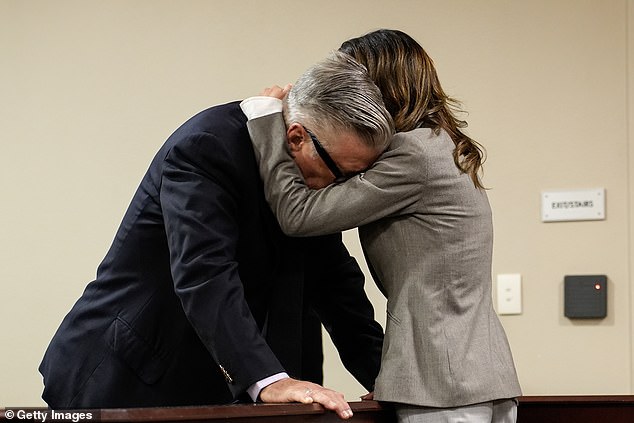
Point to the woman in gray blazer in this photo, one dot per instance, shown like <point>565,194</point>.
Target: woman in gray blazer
<point>425,226</point>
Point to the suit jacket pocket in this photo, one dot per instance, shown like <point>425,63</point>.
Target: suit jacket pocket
<point>147,362</point>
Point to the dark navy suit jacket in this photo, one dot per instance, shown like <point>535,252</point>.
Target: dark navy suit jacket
<point>201,295</point>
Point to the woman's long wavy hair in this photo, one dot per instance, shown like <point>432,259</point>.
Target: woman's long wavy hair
<point>411,90</point>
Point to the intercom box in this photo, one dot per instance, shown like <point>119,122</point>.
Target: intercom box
<point>586,296</point>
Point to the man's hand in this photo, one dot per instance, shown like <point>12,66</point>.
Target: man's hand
<point>293,390</point>
<point>276,91</point>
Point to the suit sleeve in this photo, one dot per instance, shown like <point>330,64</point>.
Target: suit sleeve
<point>390,187</point>
<point>336,287</point>
<point>199,197</point>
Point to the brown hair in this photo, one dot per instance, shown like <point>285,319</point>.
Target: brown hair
<point>411,91</point>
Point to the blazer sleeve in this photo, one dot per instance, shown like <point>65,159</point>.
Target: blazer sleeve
<point>335,285</point>
<point>199,200</point>
<point>390,187</point>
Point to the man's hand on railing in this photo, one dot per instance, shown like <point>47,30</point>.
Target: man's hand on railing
<point>293,390</point>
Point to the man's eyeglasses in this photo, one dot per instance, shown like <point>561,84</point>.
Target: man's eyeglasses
<point>330,163</point>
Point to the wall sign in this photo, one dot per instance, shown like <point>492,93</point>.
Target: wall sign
<point>559,206</point>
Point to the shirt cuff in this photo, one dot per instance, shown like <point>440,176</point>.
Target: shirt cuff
<point>255,107</point>
<point>254,390</point>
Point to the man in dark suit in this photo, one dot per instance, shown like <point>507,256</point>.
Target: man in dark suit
<point>201,299</point>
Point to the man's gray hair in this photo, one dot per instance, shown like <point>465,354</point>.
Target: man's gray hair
<point>337,94</point>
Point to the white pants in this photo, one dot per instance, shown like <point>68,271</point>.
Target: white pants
<point>498,411</point>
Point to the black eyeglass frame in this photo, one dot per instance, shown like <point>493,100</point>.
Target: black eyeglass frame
<point>328,161</point>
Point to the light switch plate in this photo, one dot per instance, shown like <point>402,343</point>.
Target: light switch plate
<point>509,290</point>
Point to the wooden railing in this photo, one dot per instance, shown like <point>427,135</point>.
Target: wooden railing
<point>532,409</point>
<point>364,412</point>
<point>576,409</point>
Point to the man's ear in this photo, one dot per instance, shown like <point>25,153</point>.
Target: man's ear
<point>295,137</point>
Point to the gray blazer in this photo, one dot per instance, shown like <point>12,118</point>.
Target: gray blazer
<point>427,235</point>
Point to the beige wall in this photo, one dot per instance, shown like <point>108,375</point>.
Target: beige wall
<point>90,89</point>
